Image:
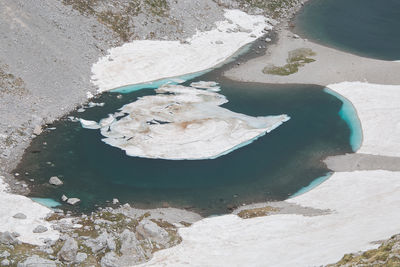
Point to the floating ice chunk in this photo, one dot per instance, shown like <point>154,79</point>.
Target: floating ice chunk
<point>89,124</point>
<point>181,123</point>
<point>210,86</point>
<point>73,119</point>
<point>93,104</point>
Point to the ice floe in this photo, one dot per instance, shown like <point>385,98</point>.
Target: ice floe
<point>181,123</point>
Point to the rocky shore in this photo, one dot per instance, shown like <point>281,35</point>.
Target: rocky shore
<point>45,72</point>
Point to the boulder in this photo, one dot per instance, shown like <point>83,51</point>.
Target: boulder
<point>149,229</point>
<point>54,180</point>
<point>8,238</point>
<point>36,261</point>
<point>98,244</point>
<point>115,201</point>
<point>68,251</point>
<point>37,130</point>
<point>73,201</point>
<point>5,254</point>
<point>40,229</point>
<point>219,42</point>
<point>80,257</point>
<point>20,216</point>
<point>131,250</point>
<point>5,262</point>
<point>109,260</point>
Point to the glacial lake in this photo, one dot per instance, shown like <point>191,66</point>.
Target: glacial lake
<point>368,28</point>
<point>274,167</point>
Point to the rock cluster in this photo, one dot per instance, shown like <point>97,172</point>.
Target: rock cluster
<point>110,238</point>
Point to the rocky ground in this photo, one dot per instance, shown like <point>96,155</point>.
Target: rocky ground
<point>388,254</point>
<point>109,237</point>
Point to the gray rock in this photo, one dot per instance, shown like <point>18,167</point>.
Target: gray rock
<point>219,42</point>
<point>68,251</point>
<point>54,180</point>
<point>109,260</point>
<point>5,254</point>
<point>37,130</point>
<point>128,241</point>
<point>151,230</point>
<point>80,257</point>
<point>268,40</point>
<point>98,244</point>
<point>8,238</point>
<point>36,261</point>
<point>115,201</point>
<point>64,198</point>
<point>5,262</point>
<point>111,244</point>
<point>131,249</point>
<point>20,216</point>
<point>73,201</point>
<point>40,229</point>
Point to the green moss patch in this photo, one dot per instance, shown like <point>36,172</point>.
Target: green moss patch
<point>296,59</point>
<point>257,212</point>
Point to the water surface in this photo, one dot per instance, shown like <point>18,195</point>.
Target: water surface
<point>274,167</point>
<point>365,27</point>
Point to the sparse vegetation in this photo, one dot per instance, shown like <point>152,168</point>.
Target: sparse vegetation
<point>118,16</point>
<point>92,226</point>
<point>257,212</point>
<point>388,254</point>
<point>296,59</point>
<point>118,22</point>
<point>9,84</point>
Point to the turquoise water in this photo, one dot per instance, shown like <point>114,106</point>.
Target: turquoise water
<point>272,167</point>
<point>349,115</point>
<point>312,185</point>
<point>48,202</point>
<point>366,27</point>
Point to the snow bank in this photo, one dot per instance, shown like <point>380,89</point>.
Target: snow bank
<point>145,60</point>
<point>182,123</point>
<point>12,204</point>
<point>378,108</point>
<point>364,209</point>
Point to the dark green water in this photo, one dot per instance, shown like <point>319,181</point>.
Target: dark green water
<point>271,168</point>
<point>369,28</point>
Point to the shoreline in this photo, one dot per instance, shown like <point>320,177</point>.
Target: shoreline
<point>330,66</point>
<point>303,200</point>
